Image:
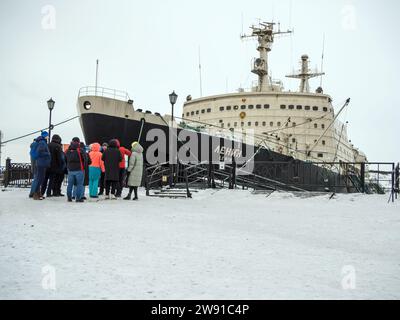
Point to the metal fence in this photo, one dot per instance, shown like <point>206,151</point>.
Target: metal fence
<point>17,174</point>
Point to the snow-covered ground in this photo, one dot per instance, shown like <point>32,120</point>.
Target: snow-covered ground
<point>219,245</point>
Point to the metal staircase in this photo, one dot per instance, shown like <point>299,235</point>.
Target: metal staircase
<point>181,180</point>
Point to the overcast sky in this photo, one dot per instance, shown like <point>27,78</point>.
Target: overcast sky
<point>149,48</point>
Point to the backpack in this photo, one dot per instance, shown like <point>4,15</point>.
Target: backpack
<point>33,153</point>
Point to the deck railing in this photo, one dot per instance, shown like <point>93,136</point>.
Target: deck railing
<point>103,92</point>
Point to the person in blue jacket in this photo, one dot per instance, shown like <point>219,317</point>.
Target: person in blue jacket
<point>41,154</point>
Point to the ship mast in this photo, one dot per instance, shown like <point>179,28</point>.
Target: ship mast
<point>305,74</point>
<point>265,35</point>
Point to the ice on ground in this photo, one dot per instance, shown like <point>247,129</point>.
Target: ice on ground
<point>219,245</point>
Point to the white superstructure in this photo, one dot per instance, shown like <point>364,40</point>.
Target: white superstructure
<point>300,124</point>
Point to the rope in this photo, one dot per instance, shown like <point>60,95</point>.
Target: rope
<point>38,131</point>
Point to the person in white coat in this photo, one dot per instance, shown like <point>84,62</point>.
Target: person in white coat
<point>135,170</point>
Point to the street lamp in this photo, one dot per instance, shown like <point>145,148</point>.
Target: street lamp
<point>172,99</point>
<point>50,105</point>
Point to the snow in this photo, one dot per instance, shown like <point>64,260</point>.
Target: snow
<point>219,245</point>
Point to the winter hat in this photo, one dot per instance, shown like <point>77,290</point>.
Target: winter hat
<point>113,143</point>
<point>76,139</point>
<point>44,134</point>
<point>56,138</point>
<point>134,144</point>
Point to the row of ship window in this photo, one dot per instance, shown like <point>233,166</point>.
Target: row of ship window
<point>264,124</point>
<point>258,106</point>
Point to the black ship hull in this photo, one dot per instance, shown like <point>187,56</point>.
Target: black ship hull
<point>283,169</point>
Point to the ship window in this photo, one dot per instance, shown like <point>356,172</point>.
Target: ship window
<point>220,121</point>
<point>320,155</point>
<point>197,112</point>
<point>283,106</point>
<point>192,113</point>
<point>291,107</point>
<point>271,124</point>
<point>203,111</point>
<point>243,107</point>
<point>221,108</point>
<point>235,124</point>
<point>315,108</point>
<point>249,124</point>
<point>293,124</point>
<point>264,123</point>
<point>229,124</point>
<point>222,125</point>
<point>294,140</point>
<point>315,125</point>
<point>187,114</point>
<point>250,106</point>
<point>242,124</point>
<point>235,107</point>
<point>209,110</point>
<point>266,106</point>
<point>87,105</point>
<point>278,124</point>
<point>256,123</point>
<point>307,108</point>
<point>323,142</point>
<point>228,108</point>
<point>258,106</point>
<point>322,126</point>
<point>299,107</point>
<point>325,108</point>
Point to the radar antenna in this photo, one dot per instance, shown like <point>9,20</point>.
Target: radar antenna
<point>265,36</point>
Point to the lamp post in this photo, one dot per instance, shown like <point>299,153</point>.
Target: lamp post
<point>50,105</point>
<point>172,99</point>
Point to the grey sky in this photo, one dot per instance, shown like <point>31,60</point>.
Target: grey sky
<point>149,48</point>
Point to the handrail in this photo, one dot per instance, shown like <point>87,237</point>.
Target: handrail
<point>103,92</point>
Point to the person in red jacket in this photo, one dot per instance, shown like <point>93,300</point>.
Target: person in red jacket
<point>124,152</point>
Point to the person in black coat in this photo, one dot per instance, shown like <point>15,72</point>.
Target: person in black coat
<point>102,183</point>
<point>111,157</point>
<point>56,168</point>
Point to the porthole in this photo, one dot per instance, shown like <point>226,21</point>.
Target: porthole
<point>87,105</point>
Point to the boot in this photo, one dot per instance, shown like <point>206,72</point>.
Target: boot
<point>36,196</point>
<point>128,197</point>
<point>136,197</point>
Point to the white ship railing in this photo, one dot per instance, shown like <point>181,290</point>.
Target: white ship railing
<point>103,92</point>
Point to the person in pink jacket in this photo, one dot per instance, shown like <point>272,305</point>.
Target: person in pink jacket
<point>95,169</point>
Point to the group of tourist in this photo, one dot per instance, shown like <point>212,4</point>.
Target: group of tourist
<point>100,167</point>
